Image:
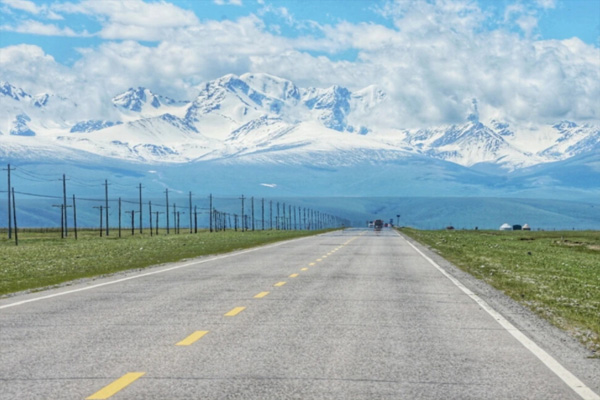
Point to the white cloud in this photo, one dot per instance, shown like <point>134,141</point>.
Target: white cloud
<point>228,2</point>
<point>432,61</point>
<point>133,19</point>
<point>38,28</point>
<point>23,5</point>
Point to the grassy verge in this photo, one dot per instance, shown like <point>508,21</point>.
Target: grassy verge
<point>43,259</point>
<point>556,274</point>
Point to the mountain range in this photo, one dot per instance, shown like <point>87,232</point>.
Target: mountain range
<point>263,135</point>
<point>263,118</point>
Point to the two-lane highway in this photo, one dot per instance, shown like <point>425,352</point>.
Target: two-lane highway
<point>352,314</point>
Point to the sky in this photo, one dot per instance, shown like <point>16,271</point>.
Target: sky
<point>520,61</point>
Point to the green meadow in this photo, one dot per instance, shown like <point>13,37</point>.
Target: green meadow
<point>555,274</point>
<point>43,259</point>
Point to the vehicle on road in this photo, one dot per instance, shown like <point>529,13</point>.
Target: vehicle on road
<point>378,224</point>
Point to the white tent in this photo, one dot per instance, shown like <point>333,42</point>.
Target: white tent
<point>526,227</point>
<point>506,227</point>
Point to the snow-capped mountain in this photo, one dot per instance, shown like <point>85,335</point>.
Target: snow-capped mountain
<point>259,118</point>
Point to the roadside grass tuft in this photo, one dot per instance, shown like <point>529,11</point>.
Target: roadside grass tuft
<point>555,274</point>
<point>43,259</point>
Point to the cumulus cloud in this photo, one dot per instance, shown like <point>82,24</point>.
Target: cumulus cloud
<point>133,19</point>
<point>39,28</point>
<point>432,60</point>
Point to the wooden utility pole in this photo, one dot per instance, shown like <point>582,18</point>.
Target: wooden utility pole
<point>8,168</point>
<point>132,212</point>
<point>242,220</point>
<point>106,203</point>
<point>64,180</point>
<point>120,217</point>
<point>141,228</point>
<point>190,211</point>
<point>262,208</point>
<point>210,214</point>
<point>150,219</point>
<point>75,217</point>
<point>252,203</point>
<point>167,193</point>
<point>14,214</point>
<point>156,225</point>
<point>195,219</point>
<point>175,216</point>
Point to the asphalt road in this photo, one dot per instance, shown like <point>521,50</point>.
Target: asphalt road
<point>345,315</point>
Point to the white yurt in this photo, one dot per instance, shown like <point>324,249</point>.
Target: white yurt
<point>506,227</point>
<point>526,227</point>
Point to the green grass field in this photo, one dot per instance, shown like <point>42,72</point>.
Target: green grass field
<point>43,259</point>
<point>555,274</point>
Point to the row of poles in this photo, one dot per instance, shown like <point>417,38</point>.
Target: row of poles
<point>295,218</point>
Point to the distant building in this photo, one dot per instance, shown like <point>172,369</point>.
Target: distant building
<point>526,227</point>
<point>506,227</point>
<point>517,227</point>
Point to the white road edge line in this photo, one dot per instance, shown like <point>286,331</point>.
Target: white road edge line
<point>238,253</point>
<point>571,380</point>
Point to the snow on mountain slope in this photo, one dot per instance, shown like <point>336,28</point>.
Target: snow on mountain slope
<point>142,103</point>
<point>265,118</point>
<point>165,138</point>
<point>22,114</point>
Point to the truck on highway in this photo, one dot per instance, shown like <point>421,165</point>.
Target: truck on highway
<point>378,224</point>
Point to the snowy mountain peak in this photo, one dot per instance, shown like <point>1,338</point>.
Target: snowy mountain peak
<point>140,99</point>
<point>272,86</point>
<point>15,93</point>
<point>263,117</point>
<point>564,125</point>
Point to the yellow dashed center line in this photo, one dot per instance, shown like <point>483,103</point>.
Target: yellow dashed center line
<point>235,311</point>
<point>294,275</point>
<point>192,338</point>
<point>312,264</point>
<point>278,284</point>
<point>319,259</point>
<point>304,269</point>
<point>261,295</point>
<point>116,386</point>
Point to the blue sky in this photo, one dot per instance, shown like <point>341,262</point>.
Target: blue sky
<point>555,19</point>
<point>521,59</point>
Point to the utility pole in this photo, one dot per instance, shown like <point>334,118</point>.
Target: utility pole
<point>210,214</point>
<point>242,220</point>
<point>157,213</point>
<point>14,208</point>
<point>9,202</point>
<point>106,203</point>
<point>195,219</point>
<point>175,217</point>
<point>141,229</point>
<point>75,217</point>
<point>150,219</point>
<point>132,212</point>
<point>284,219</point>
<point>190,212</point>
<point>271,215</point>
<point>66,233</point>
<point>120,217</point>
<point>252,202</point>
<point>167,193</point>
<point>263,213</point>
